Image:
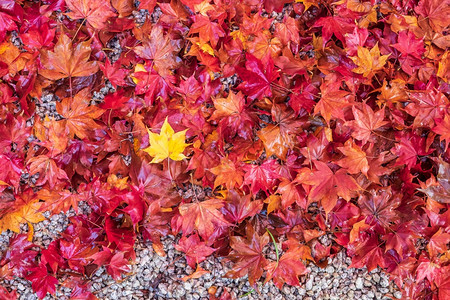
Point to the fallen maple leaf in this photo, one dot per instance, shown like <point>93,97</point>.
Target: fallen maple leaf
<point>355,160</point>
<point>287,269</point>
<point>369,62</point>
<point>78,115</point>
<point>366,123</point>
<point>438,188</point>
<point>196,250</point>
<point>25,211</point>
<point>328,185</point>
<point>443,129</point>
<point>95,12</point>
<point>208,31</point>
<point>334,101</point>
<point>228,174</point>
<point>67,61</point>
<point>42,282</point>
<point>199,272</point>
<point>167,144</point>
<point>248,255</point>
<point>278,138</point>
<point>203,216</point>
<point>161,50</point>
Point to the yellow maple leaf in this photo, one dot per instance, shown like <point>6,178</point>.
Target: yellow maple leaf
<point>369,62</point>
<point>167,144</point>
<point>308,3</point>
<point>27,213</point>
<point>120,183</point>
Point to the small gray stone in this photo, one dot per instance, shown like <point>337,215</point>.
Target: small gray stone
<point>162,287</point>
<point>384,282</point>
<point>309,284</point>
<point>398,295</point>
<point>359,283</point>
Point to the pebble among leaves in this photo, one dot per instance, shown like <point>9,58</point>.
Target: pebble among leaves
<point>217,149</point>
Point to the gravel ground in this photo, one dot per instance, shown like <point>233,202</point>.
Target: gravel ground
<point>155,277</point>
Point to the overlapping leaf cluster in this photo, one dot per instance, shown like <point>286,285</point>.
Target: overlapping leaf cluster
<point>305,120</point>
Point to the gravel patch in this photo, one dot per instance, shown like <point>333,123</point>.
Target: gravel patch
<point>156,277</point>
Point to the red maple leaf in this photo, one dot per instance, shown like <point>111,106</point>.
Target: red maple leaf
<point>256,77</point>
<point>248,255</point>
<point>196,250</point>
<point>287,269</point>
<point>202,216</point>
<point>327,185</point>
<point>41,281</point>
<point>208,31</point>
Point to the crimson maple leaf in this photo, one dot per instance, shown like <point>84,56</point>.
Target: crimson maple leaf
<point>261,177</point>
<point>435,11</point>
<point>41,281</point>
<point>114,72</point>
<point>367,254</point>
<point>427,106</point>
<point>401,238</point>
<point>19,256</point>
<point>380,206</point>
<point>409,149</point>
<point>256,77</point>
<point>334,25</point>
<point>115,262</point>
<point>76,253</point>
<point>4,294</point>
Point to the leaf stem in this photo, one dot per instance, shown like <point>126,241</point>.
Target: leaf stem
<point>168,167</point>
<point>79,27</point>
<point>248,293</point>
<point>275,245</point>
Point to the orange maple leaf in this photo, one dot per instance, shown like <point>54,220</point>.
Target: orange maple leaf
<point>355,159</point>
<point>228,174</point>
<point>58,201</point>
<point>281,137</point>
<point>95,12</point>
<point>162,50</point>
<point>79,116</point>
<point>67,61</point>
<point>26,210</point>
